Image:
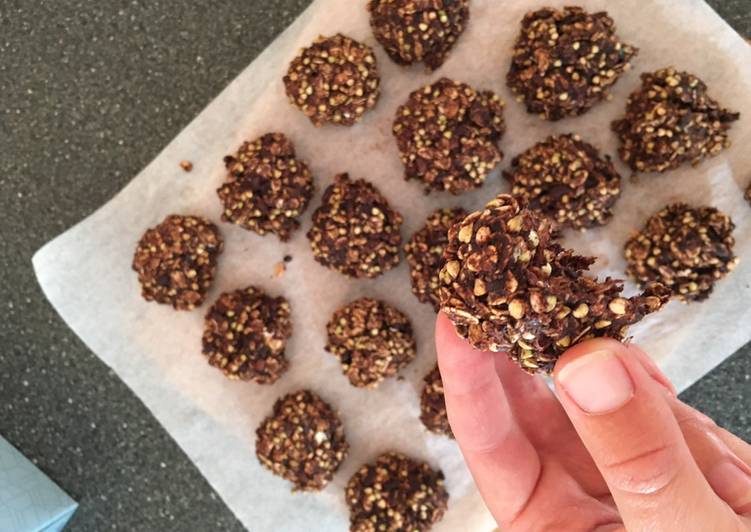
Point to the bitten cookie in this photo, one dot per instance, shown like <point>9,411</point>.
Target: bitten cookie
<point>507,285</point>
<point>302,441</point>
<point>245,334</point>
<point>433,405</point>
<point>176,261</point>
<point>395,494</point>
<point>372,340</point>
<point>688,249</point>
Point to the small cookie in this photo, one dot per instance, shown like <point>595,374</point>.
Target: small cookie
<point>687,249</point>
<point>176,261</point>
<point>670,121</point>
<point>245,334</point>
<point>334,80</point>
<point>372,339</point>
<point>395,494</point>
<point>267,189</point>
<point>355,231</point>
<point>564,61</point>
<point>567,180</point>
<point>424,253</point>
<point>302,441</point>
<point>418,30</point>
<point>447,134</point>
<point>433,405</point>
<point>508,286</point>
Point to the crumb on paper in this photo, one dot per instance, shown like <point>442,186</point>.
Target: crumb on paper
<point>186,165</point>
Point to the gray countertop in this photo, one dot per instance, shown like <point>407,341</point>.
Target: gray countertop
<point>90,92</point>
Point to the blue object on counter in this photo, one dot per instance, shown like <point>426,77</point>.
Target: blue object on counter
<point>29,501</point>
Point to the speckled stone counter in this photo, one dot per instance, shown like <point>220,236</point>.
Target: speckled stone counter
<point>90,93</point>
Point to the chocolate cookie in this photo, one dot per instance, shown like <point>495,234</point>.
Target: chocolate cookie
<point>564,61</point>
<point>267,189</point>
<point>424,253</point>
<point>507,285</point>
<point>245,335</point>
<point>176,261</point>
<point>418,30</point>
<point>396,494</point>
<point>670,121</point>
<point>355,231</point>
<point>567,180</point>
<point>334,80</point>
<point>433,405</point>
<point>372,339</point>
<point>302,441</point>
<point>447,134</point>
<point>687,249</point>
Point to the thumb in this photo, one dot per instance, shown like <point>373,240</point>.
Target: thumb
<point>624,421</point>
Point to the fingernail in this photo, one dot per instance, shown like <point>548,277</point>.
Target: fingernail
<point>731,483</point>
<point>597,382</point>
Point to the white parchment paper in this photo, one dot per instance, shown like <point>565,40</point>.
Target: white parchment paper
<point>86,273</point>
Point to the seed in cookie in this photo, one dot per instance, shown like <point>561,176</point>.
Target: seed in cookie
<point>302,441</point>
<point>372,340</point>
<point>433,405</point>
<point>567,180</point>
<point>508,286</point>
<point>267,188</point>
<point>245,334</point>
<point>413,31</point>
<point>334,80</point>
<point>396,493</point>
<point>355,231</point>
<point>671,120</point>
<point>564,61</point>
<point>424,253</point>
<point>447,134</point>
<point>688,249</point>
<point>176,261</point>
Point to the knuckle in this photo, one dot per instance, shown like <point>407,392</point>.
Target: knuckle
<point>646,473</point>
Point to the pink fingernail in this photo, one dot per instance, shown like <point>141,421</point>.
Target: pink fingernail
<point>597,382</point>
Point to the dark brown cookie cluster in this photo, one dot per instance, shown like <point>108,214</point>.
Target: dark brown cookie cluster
<point>302,441</point>
<point>395,494</point>
<point>433,405</point>
<point>334,80</point>
<point>564,61</point>
<point>245,334</point>
<point>447,134</point>
<point>507,285</point>
<point>355,231</point>
<point>372,340</point>
<point>418,30</point>
<point>670,121</point>
<point>267,189</point>
<point>424,253</point>
<point>176,261</point>
<point>567,180</point>
<point>688,249</point>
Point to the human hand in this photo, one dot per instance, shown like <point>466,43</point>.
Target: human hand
<point>616,450</point>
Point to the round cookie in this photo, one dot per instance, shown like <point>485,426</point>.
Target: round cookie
<point>433,405</point>
<point>372,340</point>
<point>176,261</point>
<point>447,134</point>
<point>267,189</point>
<point>508,286</point>
<point>245,334</point>
<point>424,253</point>
<point>355,231</point>
<point>687,249</point>
<point>302,441</point>
<point>334,80</point>
<point>567,180</point>
<point>670,121</point>
<point>565,60</point>
<point>394,494</point>
<point>414,31</point>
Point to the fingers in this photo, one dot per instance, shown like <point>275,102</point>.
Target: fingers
<point>623,419</point>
